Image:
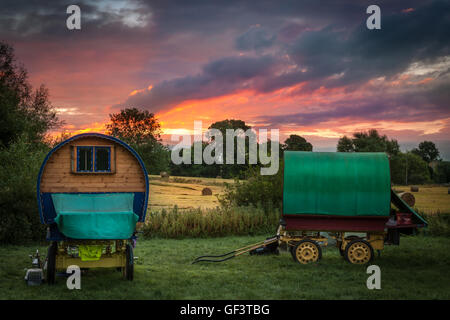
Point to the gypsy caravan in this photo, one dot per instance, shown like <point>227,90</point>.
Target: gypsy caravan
<point>92,190</point>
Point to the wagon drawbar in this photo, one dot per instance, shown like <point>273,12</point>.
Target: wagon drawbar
<point>348,196</point>
<point>92,190</point>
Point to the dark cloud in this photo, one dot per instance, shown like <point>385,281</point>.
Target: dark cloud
<point>414,106</point>
<point>46,20</point>
<point>216,16</point>
<point>326,57</point>
<point>333,57</point>
<point>255,38</point>
<point>292,30</point>
<point>326,44</point>
<point>217,78</point>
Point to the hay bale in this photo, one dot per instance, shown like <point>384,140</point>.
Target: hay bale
<point>206,192</point>
<point>408,198</point>
<point>164,175</point>
<point>414,189</point>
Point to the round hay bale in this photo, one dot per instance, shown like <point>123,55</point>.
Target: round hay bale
<point>206,192</point>
<point>414,189</point>
<point>408,198</point>
<point>164,174</point>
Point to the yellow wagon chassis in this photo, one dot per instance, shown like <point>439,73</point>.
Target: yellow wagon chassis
<point>305,246</point>
<point>114,254</point>
<point>108,259</point>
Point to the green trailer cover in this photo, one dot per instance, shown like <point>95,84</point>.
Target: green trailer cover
<point>95,216</point>
<point>336,183</point>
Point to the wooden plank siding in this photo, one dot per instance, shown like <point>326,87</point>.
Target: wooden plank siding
<point>126,173</point>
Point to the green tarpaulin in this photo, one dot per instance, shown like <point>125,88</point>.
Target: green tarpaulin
<point>95,216</point>
<point>335,183</point>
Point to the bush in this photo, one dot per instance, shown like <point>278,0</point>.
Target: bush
<point>218,222</point>
<point>19,218</point>
<point>255,190</point>
<point>155,156</point>
<point>438,224</point>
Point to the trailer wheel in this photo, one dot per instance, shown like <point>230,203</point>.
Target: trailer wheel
<point>359,252</point>
<point>307,251</point>
<point>129,266</point>
<point>51,263</point>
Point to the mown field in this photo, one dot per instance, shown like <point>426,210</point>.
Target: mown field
<point>185,192</point>
<point>430,199</point>
<point>417,269</point>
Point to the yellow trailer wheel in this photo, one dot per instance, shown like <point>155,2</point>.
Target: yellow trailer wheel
<point>359,252</point>
<point>307,251</point>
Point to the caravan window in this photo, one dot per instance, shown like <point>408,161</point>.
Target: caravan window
<point>93,159</point>
<point>102,159</point>
<point>84,159</point>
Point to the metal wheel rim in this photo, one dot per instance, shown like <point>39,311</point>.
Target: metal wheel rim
<point>359,253</point>
<point>307,252</point>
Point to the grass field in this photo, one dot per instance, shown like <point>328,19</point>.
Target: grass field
<point>430,199</point>
<point>185,192</point>
<point>417,269</point>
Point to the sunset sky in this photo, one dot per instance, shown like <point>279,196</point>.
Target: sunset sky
<point>305,67</point>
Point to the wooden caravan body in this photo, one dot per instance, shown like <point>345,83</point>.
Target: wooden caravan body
<point>87,165</point>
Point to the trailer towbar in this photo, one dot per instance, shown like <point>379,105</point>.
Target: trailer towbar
<point>237,252</point>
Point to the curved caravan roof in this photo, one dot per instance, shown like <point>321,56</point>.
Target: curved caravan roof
<point>61,157</point>
<point>335,183</point>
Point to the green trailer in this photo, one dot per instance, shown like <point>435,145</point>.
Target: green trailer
<point>347,195</point>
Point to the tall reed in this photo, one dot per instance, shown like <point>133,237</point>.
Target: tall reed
<point>220,221</point>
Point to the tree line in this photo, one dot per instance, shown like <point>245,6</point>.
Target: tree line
<point>141,129</point>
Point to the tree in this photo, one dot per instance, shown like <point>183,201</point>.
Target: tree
<point>442,173</point>
<point>234,170</point>
<point>25,118</point>
<point>427,150</point>
<point>345,144</point>
<point>192,169</point>
<point>134,126</point>
<point>370,141</point>
<point>22,111</point>
<point>156,156</point>
<point>409,168</point>
<point>229,124</point>
<point>141,130</point>
<point>297,143</point>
